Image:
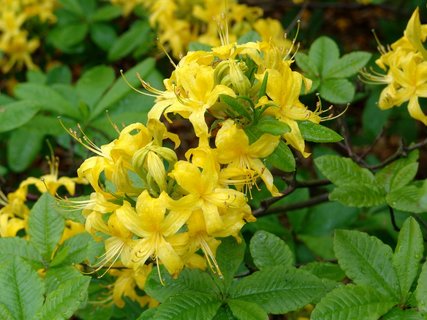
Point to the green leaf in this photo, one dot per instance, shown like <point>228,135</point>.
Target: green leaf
<point>373,118</point>
<point>74,250</point>
<point>106,13</point>
<point>93,84</point>
<point>22,151</point>
<point>197,46</point>
<point>148,314</point>
<point>224,313</point>
<point>386,174</point>
<point>244,310</point>
<point>5,314</point>
<point>278,289</point>
<point>323,219</point>
<point>250,36</point>
<point>193,280</point>
<point>282,158</point>
<point>120,88</point>
<point>130,40</point>
<point>321,246</point>
<point>34,76</point>
<point>421,291</point>
<point>337,90</point>
<point>18,247</point>
<point>367,261</point>
<point>47,125</point>
<point>325,270</point>
<point>343,171</point>
<point>358,195</point>
<point>229,256</point>
<point>47,98</point>
<point>21,289</point>
<point>103,35</point>
<point>101,311</point>
<point>56,276</point>
<point>314,132</point>
<point>73,6</point>
<point>406,199</point>
<point>189,305</point>
<point>404,176</point>
<point>348,65</point>
<point>398,314</point>
<point>268,250</point>
<point>5,99</point>
<point>45,225</point>
<point>16,114</point>
<point>269,124</point>
<point>67,36</point>
<point>65,300</point>
<point>408,254</point>
<point>422,202</point>
<point>352,302</point>
<point>263,88</point>
<point>236,106</point>
<point>306,65</point>
<point>323,53</point>
<point>59,75</point>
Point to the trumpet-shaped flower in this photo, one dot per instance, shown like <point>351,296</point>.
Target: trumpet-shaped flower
<point>284,88</point>
<point>153,224</point>
<point>118,245</point>
<point>51,182</point>
<point>128,280</point>
<point>234,150</point>
<point>205,193</point>
<point>196,93</point>
<point>410,83</point>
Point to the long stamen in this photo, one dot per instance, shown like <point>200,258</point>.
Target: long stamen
<point>380,47</point>
<point>85,142</point>
<point>115,127</point>
<point>3,199</point>
<point>133,87</point>
<point>210,257</point>
<point>113,253</point>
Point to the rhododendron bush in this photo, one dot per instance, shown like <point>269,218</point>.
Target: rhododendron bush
<point>182,159</point>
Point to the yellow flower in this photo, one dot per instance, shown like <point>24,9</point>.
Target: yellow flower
<point>10,225</point>
<point>118,245</point>
<point>196,93</point>
<point>234,150</point>
<point>71,229</point>
<point>199,239</point>
<point>414,33</point>
<point>271,30</point>
<point>19,50</point>
<point>284,88</point>
<point>410,83</point>
<point>152,222</point>
<point>205,193</point>
<point>50,182</point>
<point>126,284</point>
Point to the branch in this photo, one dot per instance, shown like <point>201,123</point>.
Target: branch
<point>347,144</point>
<point>260,212</point>
<point>401,151</point>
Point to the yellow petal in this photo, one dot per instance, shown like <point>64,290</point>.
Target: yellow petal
<point>415,110</point>
<point>169,257</point>
<point>131,221</point>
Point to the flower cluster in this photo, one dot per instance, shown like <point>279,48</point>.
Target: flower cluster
<point>15,43</point>
<point>152,206</point>
<point>406,64</point>
<point>15,212</point>
<point>180,22</point>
